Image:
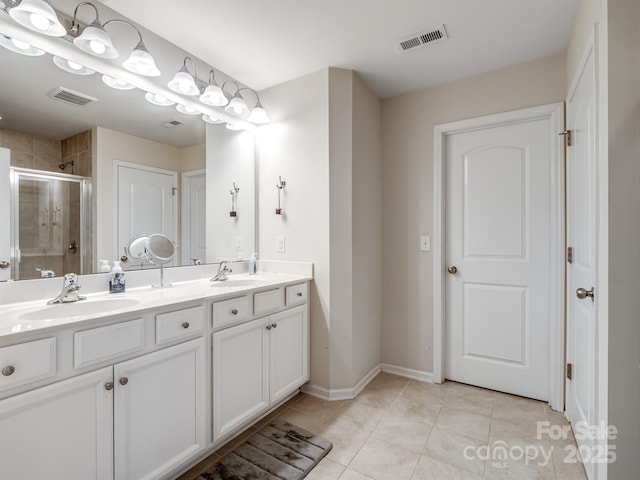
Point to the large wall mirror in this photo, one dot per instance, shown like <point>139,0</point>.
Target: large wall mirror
<point>88,166</point>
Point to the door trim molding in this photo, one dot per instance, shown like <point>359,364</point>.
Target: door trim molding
<point>555,114</point>
<point>185,209</point>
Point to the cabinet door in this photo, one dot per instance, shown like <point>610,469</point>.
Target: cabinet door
<point>289,348</point>
<point>159,411</point>
<point>63,431</point>
<point>240,375</point>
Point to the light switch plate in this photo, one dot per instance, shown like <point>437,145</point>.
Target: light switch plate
<point>280,245</point>
<point>425,243</point>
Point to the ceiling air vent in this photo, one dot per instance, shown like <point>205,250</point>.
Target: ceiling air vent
<point>422,39</point>
<point>171,124</point>
<point>70,96</point>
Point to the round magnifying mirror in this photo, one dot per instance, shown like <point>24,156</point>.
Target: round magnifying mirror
<point>160,250</point>
<point>135,251</point>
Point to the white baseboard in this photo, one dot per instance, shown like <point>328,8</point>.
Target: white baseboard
<point>351,393</point>
<point>407,372</point>
<point>340,393</point>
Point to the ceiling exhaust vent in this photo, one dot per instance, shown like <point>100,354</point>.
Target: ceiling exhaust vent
<point>422,39</point>
<point>70,96</point>
<point>171,124</point>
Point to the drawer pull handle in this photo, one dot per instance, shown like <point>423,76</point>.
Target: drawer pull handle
<point>274,325</point>
<point>184,324</point>
<point>123,381</point>
<point>234,311</point>
<point>299,294</point>
<point>108,386</point>
<point>8,371</point>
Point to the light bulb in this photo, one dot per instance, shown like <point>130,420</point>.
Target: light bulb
<point>74,65</point>
<point>20,44</point>
<point>39,22</point>
<point>97,47</point>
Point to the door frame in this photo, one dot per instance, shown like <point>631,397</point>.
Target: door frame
<point>116,200</point>
<point>555,114</point>
<point>185,207</point>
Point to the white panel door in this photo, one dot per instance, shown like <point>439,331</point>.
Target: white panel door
<point>240,375</point>
<point>581,237</point>
<point>5,215</point>
<point>194,217</point>
<point>498,239</point>
<point>289,352</point>
<point>159,418</point>
<point>145,203</point>
<point>63,431</point>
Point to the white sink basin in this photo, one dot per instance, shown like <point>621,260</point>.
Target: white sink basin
<point>79,308</point>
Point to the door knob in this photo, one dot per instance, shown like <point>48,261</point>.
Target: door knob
<point>4,264</point>
<point>582,293</point>
<point>452,269</point>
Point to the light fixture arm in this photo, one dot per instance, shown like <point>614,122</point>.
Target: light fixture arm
<point>258,104</point>
<point>140,42</point>
<point>193,65</point>
<point>235,83</point>
<point>75,26</point>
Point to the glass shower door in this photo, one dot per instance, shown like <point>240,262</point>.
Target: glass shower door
<point>50,228</point>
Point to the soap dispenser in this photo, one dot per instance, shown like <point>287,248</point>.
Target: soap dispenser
<point>104,266</point>
<point>253,264</point>
<point>116,280</point>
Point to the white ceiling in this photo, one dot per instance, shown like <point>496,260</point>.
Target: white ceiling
<point>266,42</point>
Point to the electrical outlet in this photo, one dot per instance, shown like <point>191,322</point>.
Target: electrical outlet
<point>280,244</point>
<point>425,243</point>
<point>238,243</point>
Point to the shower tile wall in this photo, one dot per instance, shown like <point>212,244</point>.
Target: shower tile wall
<point>45,154</point>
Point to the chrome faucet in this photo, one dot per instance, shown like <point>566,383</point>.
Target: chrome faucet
<point>44,273</point>
<point>221,276</point>
<point>69,292</point>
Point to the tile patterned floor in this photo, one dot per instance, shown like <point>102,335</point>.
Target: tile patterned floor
<point>401,429</point>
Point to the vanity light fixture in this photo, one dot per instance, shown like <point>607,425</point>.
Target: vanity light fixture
<point>36,15</point>
<point>184,81</point>
<point>72,67</point>
<point>213,94</point>
<point>94,39</point>
<point>158,99</point>
<point>237,105</point>
<point>211,119</point>
<point>140,61</point>
<point>187,110</point>
<point>116,83</point>
<point>18,46</point>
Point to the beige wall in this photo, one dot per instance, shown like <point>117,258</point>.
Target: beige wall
<point>367,229</point>
<point>296,147</point>
<point>624,234</point>
<point>407,194</point>
<point>193,157</point>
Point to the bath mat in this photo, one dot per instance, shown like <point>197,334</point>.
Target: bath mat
<point>279,451</point>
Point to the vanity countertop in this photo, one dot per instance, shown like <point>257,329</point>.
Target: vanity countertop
<point>19,318</point>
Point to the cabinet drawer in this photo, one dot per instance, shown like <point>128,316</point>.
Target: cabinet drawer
<point>296,294</point>
<point>181,324</point>
<point>101,344</point>
<point>230,311</point>
<point>27,362</point>
<point>266,302</point>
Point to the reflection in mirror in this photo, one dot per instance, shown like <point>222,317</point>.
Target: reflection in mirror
<point>114,129</point>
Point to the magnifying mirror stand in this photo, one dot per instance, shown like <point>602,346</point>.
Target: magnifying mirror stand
<point>162,283</point>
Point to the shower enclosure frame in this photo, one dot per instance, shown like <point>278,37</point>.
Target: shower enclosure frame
<point>86,215</point>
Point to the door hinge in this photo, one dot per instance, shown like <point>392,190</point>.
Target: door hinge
<point>568,137</point>
<point>174,190</point>
<point>570,371</point>
<point>570,254</point>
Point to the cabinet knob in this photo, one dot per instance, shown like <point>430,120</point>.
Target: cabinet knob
<point>7,371</point>
<point>274,325</point>
<point>123,381</point>
<point>108,386</point>
<point>234,311</point>
<point>269,327</point>
<point>184,324</point>
<point>299,294</point>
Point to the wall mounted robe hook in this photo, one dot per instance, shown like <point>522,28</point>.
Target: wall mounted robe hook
<point>280,186</point>
<point>234,199</point>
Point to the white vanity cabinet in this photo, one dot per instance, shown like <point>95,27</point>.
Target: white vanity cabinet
<point>151,408</point>
<point>256,365</point>
<point>59,432</point>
